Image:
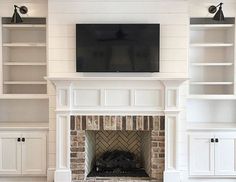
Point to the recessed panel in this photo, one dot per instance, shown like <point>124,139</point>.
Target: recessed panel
<point>63,97</point>
<point>172,98</point>
<point>149,98</point>
<point>117,97</point>
<point>86,97</point>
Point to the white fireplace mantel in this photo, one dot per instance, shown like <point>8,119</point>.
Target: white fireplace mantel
<point>113,96</point>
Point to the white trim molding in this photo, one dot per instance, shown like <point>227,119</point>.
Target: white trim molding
<point>158,96</point>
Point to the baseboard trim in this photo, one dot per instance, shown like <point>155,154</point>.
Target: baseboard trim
<point>50,174</point>
<point>172,176</point>
<point>61,175</point>
<point>23,179</point>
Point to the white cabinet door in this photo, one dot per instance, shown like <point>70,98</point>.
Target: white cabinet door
<point>10,154</point>
<point>34,154</point>
<point>225,156</point>
<point>201,154</point>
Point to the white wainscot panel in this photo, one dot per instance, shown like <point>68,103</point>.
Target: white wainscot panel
<point>86,97</point>
<point>117,97</point>
<point>62,97</point>
<point>148,98</point>
<point>171,98</point>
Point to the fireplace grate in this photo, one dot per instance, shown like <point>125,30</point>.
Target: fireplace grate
<point>118,173</point>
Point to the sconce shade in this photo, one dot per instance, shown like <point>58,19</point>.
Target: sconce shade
<point>23,10</point>
<point>219,16</point>
<point>16,17</point>
<point>212,9</point>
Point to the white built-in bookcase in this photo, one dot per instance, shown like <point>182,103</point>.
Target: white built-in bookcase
<point>24,57</point>
<point>24,65</point>
<point>212,72</point>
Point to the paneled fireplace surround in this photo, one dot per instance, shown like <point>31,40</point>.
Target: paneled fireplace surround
<point>100,114</point>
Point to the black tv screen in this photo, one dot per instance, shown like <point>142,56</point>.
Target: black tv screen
<point>117,47</point>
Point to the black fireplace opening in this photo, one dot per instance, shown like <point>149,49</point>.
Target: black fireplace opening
<point>117,163</point>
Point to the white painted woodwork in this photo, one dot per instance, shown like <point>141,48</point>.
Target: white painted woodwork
<point>10,154</point>
<point>208,158</point>
<point>212,64</point>
<point>210,26</point>
<point>211,110</point>
<point>24,110</point>
<point>24,59</point>
<point>95,95</point>
<point>17,26</point>
<point>63,172</point>
<point>63,142</point>
<point>34,154</point>
<point>117,97</point>
<point>148,98</point>
<point>23,105</point>
<point>31,44</point>
<point>86,97</point>
<point>211,57</point>
<point>172,101</point>
<point>201,154</point>
<point>211,45</point>
<point>170,141</point>
<point>24,64</point>
<point>22,158</point>
<point>101,95</point>
<point>225,154</point>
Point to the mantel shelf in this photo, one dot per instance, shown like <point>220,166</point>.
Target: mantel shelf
<point>79,78</point>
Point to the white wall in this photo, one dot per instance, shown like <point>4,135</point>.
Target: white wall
<point>64,14</point>
<point>200,8</point>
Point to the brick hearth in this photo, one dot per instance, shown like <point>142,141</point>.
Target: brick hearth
<point>138,126</point>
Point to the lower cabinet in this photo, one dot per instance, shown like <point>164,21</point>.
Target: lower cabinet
<point>23,153</point>
<point>212,154</point>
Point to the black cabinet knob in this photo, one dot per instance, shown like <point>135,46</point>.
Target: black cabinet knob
<point>216,140</point>
<point>212,140</point>
<point>18,139</point>
<point>23,139</point>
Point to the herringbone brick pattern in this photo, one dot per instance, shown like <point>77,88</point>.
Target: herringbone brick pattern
<point>142,135</point>
<point>118,140</point>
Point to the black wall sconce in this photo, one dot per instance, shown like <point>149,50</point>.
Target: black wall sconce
<point>219,16</point>
<point>16,18</point>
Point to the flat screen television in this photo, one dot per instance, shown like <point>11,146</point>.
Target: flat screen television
<point>117,47</point>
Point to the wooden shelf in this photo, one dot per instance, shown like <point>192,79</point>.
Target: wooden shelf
<point>212,64</point>
<point>211,83</point>
<point>24,64</point>
<point>212,97</point>
<point>210,26</point>
<point>24,44</point>
<point>25,82</point>
<point>211,44</point>
<point>24,96</point>
<point>23,26</point>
